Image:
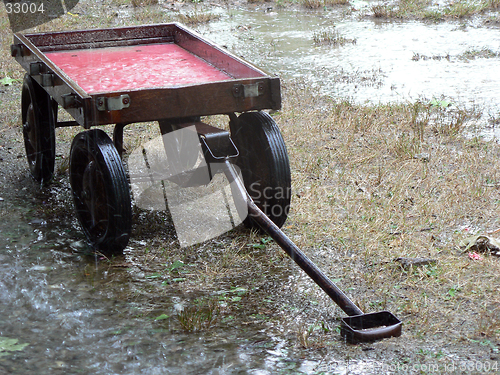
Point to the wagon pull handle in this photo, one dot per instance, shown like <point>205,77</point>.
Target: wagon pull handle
<point>358,327</point>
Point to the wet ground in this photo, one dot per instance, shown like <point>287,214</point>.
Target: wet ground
<point>74,312</point>
<point>376,61</point>
<point>66,310</point>
<point>386,61</point>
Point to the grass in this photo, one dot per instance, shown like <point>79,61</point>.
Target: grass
<point>363,191</point>
<point>312,336</point>
<point>316,4</point>
<point>484,53</point>
<point>400,9</point>
<point>309,4</point>
<point>425,10</point>
<point>200,317</point>
<point>197,17</point>
<point>331,36</point>
<point>468,55</point>
<point>138,3</point>
<point>371,183</point>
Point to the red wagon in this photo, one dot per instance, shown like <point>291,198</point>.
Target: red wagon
<point>165,73</point>
<point>170,74</point>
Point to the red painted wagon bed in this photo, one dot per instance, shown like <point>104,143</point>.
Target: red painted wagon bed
<point>88,71</point>
<point>165,73</point>
<point>170,74</point>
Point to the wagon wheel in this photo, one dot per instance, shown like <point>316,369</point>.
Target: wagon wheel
<point>100,191</point>
<point>264,164</point>
<point>39,113</point>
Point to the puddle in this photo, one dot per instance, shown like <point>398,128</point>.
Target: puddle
<point>69,312</point>
<point>389,61</point>
<point>76,318</point>
<point>75,313</point>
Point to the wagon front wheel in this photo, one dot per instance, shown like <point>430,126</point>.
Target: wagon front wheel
<point>264,164</point>
<point>39,112</point>
<point>100,191</point>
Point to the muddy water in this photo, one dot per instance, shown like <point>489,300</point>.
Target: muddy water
<point>389,61</point>
<point>76,315</point>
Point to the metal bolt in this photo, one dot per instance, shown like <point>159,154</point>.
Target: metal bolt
<point>126,100</point>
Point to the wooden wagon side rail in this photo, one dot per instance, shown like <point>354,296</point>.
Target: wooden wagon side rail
<point>247,87</point>
<point>101,38</point>
<point>57,84</point>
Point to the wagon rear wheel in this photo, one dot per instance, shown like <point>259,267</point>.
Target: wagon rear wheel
<point>264,164</point>
<point>100,191</point>
<point>39,113</point>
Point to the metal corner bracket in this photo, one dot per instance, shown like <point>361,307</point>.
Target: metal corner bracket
<point>113,103</point>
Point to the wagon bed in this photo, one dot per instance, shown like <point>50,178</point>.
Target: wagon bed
<point>143,73</point>
<point>135,67</point>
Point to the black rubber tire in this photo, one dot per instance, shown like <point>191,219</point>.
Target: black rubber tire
<point>39,116</point>
<point>100,191</point>
<point>264,164</point>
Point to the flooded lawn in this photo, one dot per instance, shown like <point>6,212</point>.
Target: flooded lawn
<point>71,312</point>
<point>369,60</point>
<point>236,304</point>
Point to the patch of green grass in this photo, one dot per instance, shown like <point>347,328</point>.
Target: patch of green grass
<point>433,15</point>
<point>139,3</point>
<point>316,4</point>
<point>463,9</point>
<point>195,18</point>
<point>421,9</point>
<point>483,53</point>
<point>312,336</point>
<point>401,9</point>
<point>199,317</point>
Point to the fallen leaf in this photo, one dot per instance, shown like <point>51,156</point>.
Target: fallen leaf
<point>10,345</point>
<point>7,81</point>
<point>475,256</point>
<point>162,317</point>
